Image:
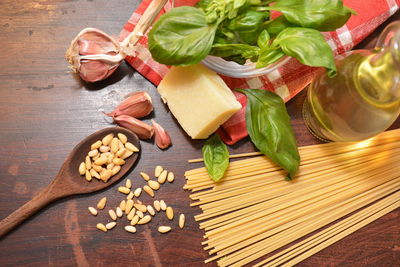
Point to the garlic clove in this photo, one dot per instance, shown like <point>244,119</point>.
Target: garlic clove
<point>138,105</point>
<point>162,138</point>
<point>143,130</point>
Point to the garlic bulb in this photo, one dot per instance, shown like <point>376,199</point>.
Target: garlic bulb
<point>95,55</point>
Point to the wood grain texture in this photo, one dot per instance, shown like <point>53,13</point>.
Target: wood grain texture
<point>45,111</point>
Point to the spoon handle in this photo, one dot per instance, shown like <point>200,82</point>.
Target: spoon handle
<point>45,197</point>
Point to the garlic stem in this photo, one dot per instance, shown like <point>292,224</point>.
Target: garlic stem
<point>142,26</point>
<point>116,59</point>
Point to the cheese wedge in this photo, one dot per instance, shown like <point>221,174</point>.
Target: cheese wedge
<point>198,98</point>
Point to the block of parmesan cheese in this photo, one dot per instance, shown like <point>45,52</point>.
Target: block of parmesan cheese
<point>198,98</point>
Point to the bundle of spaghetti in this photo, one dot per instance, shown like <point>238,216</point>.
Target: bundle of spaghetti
<point>253,211</point>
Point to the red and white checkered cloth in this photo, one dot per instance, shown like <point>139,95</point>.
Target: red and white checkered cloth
<point>286,81</point>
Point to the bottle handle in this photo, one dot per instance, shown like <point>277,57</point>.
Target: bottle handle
<point>387,34</point>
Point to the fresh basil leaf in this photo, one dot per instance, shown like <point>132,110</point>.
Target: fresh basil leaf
<point>181,37</point>
<point>227,50</point>
<point>308,46</point>
<point>249,21</point>
<point>269,55</point>
<point>216,157</point>
<point>263,39</point>
<point>269,128</point>
<point>323,15</point>
<point>275,26</point>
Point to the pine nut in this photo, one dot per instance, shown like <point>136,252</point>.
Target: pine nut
<point>104,149</point>
<point>114,145</point>
<point>162,177</point>
<point>122,137</point>
<point>154,184</point>
<point>121,152</point>
<point>107,139</point>
<point>137,192</point>
<point>97,168</point>
<point>111,225</point>
<point>131,147</point>
<point>122,205</point>
<point>94,173</point>
<point>88,176</point>
<point>118,161</point>
<point>120,145</point>
<point>110,158</point>
<point>96,145</point>
<point>101,227</point>
<point>119,212</point>
<point>135,220</point>
<point>112,214</point>
<point>145,176</point>
<point>130,229</point>
<point>170,177</point>
<point>127,154</point>
<point>100,161</point>
<point>128,183</point>
<point>93,153</point>
<point>102,203</point>
<point>148,190</point>
<point>156,204</point>
<point>181,221</point>
<point>131,214</point>
<point>130,195</point>
<point>110,166</point>
<point>151,210</point>
<point>124,190</point>
<point>158,171</point>
<point>140,214</point>
<point>92,210</point>
<point>96,157</point>
<point>82,168</point>
<point>104,176</point>
<point>129,206</point>
<point>163,205</point>
<point>140,207</point>
<point>164,229</point>
<point>115,169</point>
<point>170,213</point>
<point>88,163</point>
<point>145,219</point>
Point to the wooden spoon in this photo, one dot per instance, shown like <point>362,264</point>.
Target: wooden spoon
<point>68,180</point>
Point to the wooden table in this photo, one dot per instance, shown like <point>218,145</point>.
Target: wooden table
<point>46,110</point>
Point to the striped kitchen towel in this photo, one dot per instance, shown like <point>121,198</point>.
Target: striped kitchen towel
<point>286,81</point>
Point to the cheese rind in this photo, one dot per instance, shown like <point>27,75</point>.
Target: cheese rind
<point>198,98</point>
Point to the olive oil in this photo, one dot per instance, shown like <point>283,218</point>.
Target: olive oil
<point>362,100</point>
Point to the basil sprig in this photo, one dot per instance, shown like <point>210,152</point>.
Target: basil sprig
<point>216,157</point>
<point>241,30</point>
<point>269,128</point>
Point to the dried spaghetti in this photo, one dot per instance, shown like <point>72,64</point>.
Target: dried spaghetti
<point>253,211</point>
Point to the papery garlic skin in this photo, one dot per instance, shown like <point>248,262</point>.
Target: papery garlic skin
<point>142,129</point>
<point>162,138</point>
<point>94,55</point>
<point>138,105</point>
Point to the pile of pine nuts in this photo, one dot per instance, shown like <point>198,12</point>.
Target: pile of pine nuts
<point>134,210</point>
<point>106,157</point>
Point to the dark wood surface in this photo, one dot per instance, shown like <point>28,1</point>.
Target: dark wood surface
<point>45,111</point>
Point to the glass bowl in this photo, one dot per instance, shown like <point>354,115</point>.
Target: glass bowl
<point>235,70</point>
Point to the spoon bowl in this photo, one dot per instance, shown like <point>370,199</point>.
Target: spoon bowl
<point>68,180</point>
<point>78,183</point>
